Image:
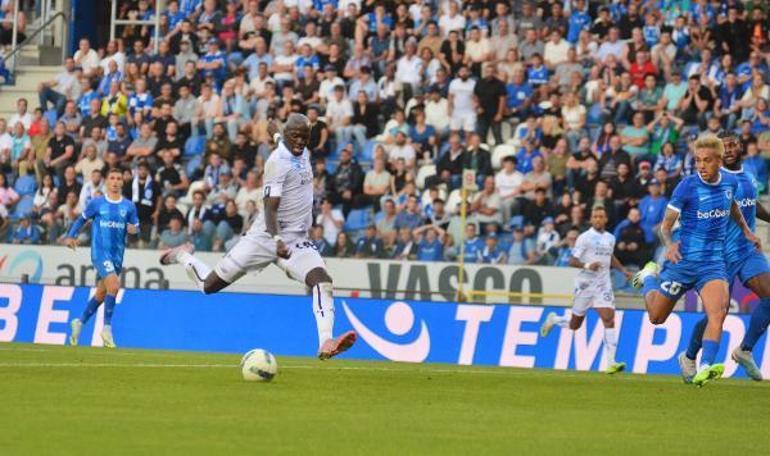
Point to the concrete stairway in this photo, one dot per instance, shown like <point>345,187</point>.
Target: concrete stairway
<point>29,73</point>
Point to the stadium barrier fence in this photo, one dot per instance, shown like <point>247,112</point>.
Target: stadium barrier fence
<point>408,331</point>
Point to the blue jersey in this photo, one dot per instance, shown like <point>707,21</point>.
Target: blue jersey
<point>110,220</point>
<point>736,244</point>
<point>704,213</point>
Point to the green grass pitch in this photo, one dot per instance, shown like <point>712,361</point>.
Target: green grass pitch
<point>68,401</point>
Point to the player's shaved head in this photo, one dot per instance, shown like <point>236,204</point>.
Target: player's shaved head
<point>733,150</point>
<point>296,133</point>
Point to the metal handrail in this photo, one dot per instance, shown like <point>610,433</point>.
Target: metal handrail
<point>32,36</point>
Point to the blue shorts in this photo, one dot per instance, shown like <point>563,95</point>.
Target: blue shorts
<point>106,266</point>
<point>677,279</point>
<point>748,267</point>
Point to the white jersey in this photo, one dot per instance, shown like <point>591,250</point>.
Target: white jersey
<point>592,246</point>
<point>290,178</point>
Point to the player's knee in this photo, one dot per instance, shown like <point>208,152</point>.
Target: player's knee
<point>318,276</point>
<point>657,317</point>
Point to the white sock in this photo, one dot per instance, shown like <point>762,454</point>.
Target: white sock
<point>563,320</point>
<point>323,309</point>
<point>610,344</point>
<point>196,269</point>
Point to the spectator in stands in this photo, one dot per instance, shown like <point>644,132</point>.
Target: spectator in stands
<point>61,149</point>
<point>486,205</point>
<point>369,245</point>
<point>145,194</point>
<point>347,182</point>
<point>174,235</point>
<point>57,91</point>
<point>562,251</point>
<point>492,253</point>
<point>410,217</point>
<point>522,249</point>
<point>653,208</point>
<point>508,182</point>
<point>343,246</point>
<point>535,211</point>
<point>229,226</point>
<point>630,245</point>
<point>319,241</point>
<point>430,243</point>
<point>462,103</point>
<point>25,232</point>
<point>547,239</point>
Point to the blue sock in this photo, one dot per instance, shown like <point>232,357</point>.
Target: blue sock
<point>90,310</point>
<point>109,306</point>
<point>760,318</point>
<point>696,340</point>
<point>710,349</point>
<point>650,283</point>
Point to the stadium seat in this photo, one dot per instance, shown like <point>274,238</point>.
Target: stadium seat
<point>195,145</point>
<point>358,219</point>
<point>423,173</point>
<point>51,117</point>
<point>501,151</point>
<point>368,153</point>
<point>193,164</point>
<point>23,208</point>
<point>25,185</point>
<point>331,166</point>
<point>517,221</point>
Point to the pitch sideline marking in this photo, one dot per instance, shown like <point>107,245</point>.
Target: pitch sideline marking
<point>297,366</point>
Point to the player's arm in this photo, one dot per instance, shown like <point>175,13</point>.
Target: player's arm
<point>271,193</point>
<point>737,215</point>
<point>762,213</point>
<point>576,263</point>
<point>577,252</point>
<point>71,238</point>
<point>667,236</point>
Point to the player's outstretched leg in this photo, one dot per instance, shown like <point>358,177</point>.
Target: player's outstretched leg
<point>199,272</point>
<point>610,340</point>
<point>112,286</point>
<point>715,302</point>
<point>323,308</point>
<point>687,364</point>
<point>96,300</point>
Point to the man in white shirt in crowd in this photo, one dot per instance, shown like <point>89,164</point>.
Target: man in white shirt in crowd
<point>408,69</point>
<point>22,115</point>
<point>339,113</point>
<point>508,184</point>
<point>86,58</point>
<point>556,50</point>
<point>331,219</point>
<point>462,102</point>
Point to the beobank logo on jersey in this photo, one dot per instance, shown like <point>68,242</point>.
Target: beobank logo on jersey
<point>713,213</point>
<point>112,224</point>
<point>746,202</point>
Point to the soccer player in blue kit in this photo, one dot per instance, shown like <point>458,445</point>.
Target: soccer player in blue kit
<point>704,202</point>
<point>112,217</point>
<point>748,264</point>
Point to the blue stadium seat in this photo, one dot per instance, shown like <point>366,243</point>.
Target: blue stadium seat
<point>195,145</point>
<point>193,164</point>
<point>331,166</point>
<point>368,153</point>
<point>358,219</point>
<point>517,221</point>
<point>23,208</point>
<point>51,117</point>
<point>25,185</point>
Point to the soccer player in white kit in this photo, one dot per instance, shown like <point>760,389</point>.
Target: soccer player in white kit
<point>593,254</point>
<point>278,236</point>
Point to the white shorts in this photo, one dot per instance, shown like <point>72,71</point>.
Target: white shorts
<point>591,293</point>
<point>465,122</point>
<point>254,252</point>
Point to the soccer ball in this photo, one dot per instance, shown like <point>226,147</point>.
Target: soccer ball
<point>258,366</point>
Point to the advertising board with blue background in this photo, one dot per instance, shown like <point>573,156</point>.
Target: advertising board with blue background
<point>412,331</point>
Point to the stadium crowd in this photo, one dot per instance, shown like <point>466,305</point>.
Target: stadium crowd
<point>557,106</point>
